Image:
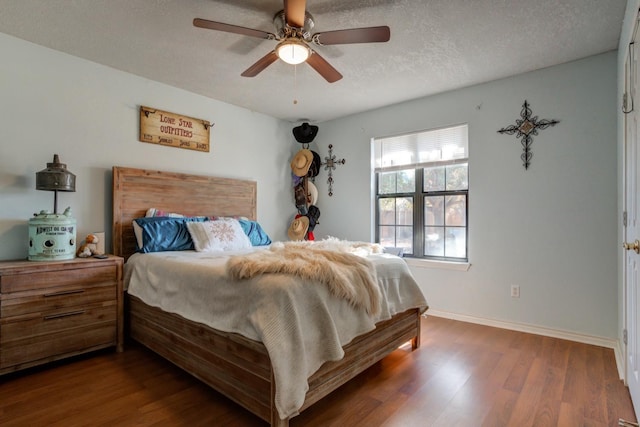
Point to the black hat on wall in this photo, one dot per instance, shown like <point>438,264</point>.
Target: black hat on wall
<point>314,168</point>
<point>313,215</point>
<point>305,133</point>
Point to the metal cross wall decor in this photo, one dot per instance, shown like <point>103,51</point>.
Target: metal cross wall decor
<point>330,165</point>
<point>525,128</point>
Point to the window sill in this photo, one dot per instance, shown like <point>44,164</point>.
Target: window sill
<point>443,265</point>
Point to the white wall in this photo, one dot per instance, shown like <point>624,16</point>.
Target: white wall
<point>87,113</point>
<point>550,229</point>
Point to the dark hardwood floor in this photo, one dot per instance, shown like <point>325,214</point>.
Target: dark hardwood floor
<point>462,375</point>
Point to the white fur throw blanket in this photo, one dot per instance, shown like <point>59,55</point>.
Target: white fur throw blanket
<point>338,264</point>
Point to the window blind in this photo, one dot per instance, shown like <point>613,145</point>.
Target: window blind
<point>437,146</point>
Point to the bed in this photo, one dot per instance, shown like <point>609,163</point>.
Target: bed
<point>236,366</point>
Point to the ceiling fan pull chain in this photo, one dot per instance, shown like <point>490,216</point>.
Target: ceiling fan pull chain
<point>295,84</point>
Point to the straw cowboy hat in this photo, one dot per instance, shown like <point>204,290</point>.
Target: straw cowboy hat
<point>298,228</point>
<point>305,133</point>
<point>301,162</point>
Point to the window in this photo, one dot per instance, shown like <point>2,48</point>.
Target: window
<point>422,193</point>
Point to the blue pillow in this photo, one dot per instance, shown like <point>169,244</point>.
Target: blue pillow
<point>256,234</point>
<point>165,233</point>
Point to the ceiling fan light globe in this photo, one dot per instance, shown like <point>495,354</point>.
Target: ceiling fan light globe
<point>293,52</point>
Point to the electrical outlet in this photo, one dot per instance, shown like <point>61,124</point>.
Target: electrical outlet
<point>515,291</point>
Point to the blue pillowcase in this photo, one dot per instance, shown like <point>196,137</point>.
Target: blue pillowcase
<point>255,232</point>
<point>166,233</point>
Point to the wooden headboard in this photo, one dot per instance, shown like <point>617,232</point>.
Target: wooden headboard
<point>136,190</point>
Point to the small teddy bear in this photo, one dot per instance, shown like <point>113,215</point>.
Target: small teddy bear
<point>89,247</point>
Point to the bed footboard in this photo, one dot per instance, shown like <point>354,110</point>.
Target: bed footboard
<point>240,368</point>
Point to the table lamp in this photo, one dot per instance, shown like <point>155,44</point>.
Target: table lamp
<point>52,236</point>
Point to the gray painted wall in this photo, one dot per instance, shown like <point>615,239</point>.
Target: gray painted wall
<point>89,115</point>
<point>551,229</point>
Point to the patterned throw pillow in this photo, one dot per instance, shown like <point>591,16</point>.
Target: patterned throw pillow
<point>218,235</point>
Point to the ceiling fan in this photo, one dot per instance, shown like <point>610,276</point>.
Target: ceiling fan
<point>293,32</point>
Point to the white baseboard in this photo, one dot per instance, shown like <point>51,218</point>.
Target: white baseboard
<point>539,330</point>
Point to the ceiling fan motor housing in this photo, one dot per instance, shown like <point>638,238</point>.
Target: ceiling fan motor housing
<point>283,30</point>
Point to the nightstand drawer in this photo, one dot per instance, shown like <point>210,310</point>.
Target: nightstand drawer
<point>23,331</point>
<point>22,303</point>
<point>38,280</point>
<point>83,338</point>
<point>66,320</point>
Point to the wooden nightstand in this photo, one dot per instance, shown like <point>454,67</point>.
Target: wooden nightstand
<point>50,310</point>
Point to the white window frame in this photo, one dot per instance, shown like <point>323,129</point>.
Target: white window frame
<point>418,151</point>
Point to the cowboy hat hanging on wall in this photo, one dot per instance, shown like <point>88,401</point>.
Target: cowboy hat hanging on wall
<point>301,162</point>
<point>302,226</point>
<point>305,133</point>
<point>298,228</point>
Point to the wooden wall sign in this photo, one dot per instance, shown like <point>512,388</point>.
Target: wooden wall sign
<point>164,128</point>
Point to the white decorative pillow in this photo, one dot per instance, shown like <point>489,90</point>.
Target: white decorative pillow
<point>218,235</point>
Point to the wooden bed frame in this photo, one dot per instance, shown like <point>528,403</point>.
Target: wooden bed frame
<point>235,366</point>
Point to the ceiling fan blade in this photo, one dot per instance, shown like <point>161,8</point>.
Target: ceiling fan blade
<point>354,35</point>
<point>294,11</point>
<point>260,65</point>
<point>325,69</point>
<point>219,26</point>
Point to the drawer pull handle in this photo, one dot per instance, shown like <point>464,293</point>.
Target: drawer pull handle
<point>57,294</point>
<point>57,316</point>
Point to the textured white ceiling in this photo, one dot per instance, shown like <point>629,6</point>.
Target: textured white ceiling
<point>435,46</point>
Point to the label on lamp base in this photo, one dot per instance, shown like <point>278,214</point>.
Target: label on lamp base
<point>52,237</point>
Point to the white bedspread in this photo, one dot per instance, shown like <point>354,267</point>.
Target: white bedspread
<point>301,324</point>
